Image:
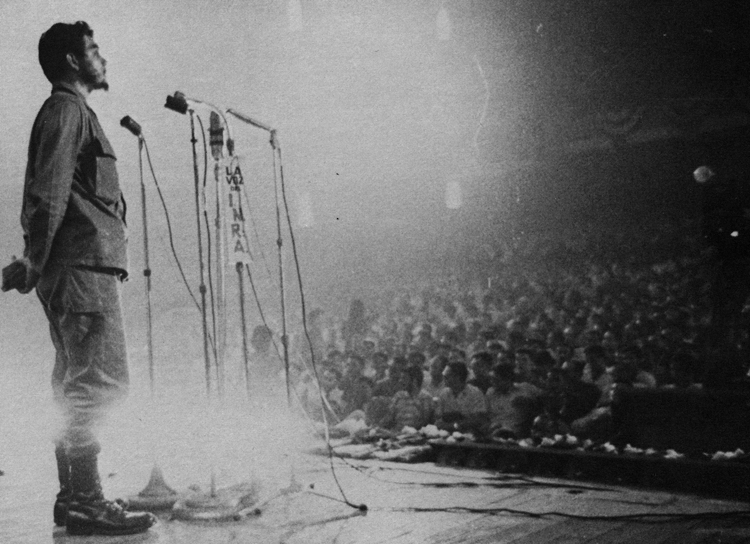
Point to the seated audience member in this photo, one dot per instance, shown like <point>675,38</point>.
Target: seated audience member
<point>598,367</point>
<point>460,406</point>
<point>633,356</point>
<point>411,406</point>
<point>333,405</point>
<point>579,397</point>
<point>388,386</point>
<point>610,343</point>
<point>496,347</point>
<point>515,341</point>
<point>383,391</point>
<point>562,354</point>
<point>524,365</point>
<point>550,423</point>
<point>416,358</point>
<point>378,367</point>
<point>357,389</point>
<point>423,337</point>
<point>481,369</point>
<point>542,363</point>
<point>367,348</point>
<point>557,346</point>
<point>599,424</point>
<point>337,360</point>
<point>436,383</point>
<point>457,355</point>
<point>512,406</point>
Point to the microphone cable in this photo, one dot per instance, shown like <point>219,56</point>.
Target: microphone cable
<point>277,149</point>
<point>170,233</point>
<point>169,225</point>
<point>280,174</point>
<point>261,313</point>
<point>257,236</point>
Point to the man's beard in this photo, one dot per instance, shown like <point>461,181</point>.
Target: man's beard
<point>100,85</point>
<point>94,82</point>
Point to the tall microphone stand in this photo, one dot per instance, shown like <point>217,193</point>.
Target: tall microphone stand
<point>220,505</point>
<point>284,340</point>
<point>157,495</point>
<point>279,242</point>
<point>202,288</point>
<point>217,145</point>
<point>294,486</point>
<point>240,267</point>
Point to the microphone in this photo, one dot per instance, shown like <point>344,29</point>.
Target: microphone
<point>177,103</point>
<point>216,132</point>
<point>131,125</point>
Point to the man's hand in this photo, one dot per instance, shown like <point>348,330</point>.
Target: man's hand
<point>19,275</point>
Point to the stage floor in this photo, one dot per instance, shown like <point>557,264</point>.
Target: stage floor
<point>406,503</point>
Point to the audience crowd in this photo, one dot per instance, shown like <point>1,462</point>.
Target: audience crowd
<point>545,341</point>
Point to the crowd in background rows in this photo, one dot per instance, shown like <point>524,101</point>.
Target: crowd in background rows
<point>540,343</point>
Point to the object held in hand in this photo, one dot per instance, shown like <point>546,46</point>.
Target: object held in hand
<point>14,276</point>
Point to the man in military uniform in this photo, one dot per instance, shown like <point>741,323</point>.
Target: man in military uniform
<point>75,255</point>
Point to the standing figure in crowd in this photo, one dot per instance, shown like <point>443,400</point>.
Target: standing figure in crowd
<point>73,220</point>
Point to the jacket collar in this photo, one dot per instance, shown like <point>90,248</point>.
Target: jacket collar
<point>67,88</point>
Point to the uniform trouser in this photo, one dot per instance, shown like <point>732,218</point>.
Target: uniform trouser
<point>90,375</point>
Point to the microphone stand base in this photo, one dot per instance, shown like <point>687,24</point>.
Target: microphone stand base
<point>224,505</point>
<point>156,496</point>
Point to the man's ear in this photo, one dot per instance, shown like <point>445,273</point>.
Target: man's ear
<point>72,61</point>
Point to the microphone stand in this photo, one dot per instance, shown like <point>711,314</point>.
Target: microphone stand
<point>157,495</point>
<point>239,266</point>
<point>216,505</point>
<point>146,271</point>
<point>221,280</point>
<point>284,340</point>
<point>202,287</point>
<point>279,242</point>
<point>294,486</point>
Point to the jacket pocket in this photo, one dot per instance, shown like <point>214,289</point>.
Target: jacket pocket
<point>107,182</point>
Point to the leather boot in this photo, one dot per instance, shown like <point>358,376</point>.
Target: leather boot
<point>89,513</point>
<point>60,510</point>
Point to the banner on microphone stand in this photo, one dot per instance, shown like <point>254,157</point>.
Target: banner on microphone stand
<point>237,242</point>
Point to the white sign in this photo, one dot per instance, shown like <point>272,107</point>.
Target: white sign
<point>239,248</point>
